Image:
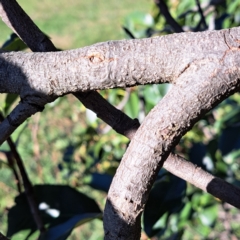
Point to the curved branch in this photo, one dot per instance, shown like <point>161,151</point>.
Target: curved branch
<point>193,62</point>
<point>161,130</point>
<point>19,114</point>
<point>174,163</point>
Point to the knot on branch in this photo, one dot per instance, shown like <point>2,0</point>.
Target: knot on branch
<point>95,57</point>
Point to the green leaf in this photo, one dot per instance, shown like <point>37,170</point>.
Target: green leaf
<point>165,197</point>
<point>138,22</point>
<point>14,43</point>
<point>133,106</point>
<point>57,205</point>
<point>233,6</point>
<point>208,215</point>
<point>10,99</point>
<point>62,231</point>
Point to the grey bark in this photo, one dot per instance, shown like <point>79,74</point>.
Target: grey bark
<point>118,63</point>
<point>203,68</point>
<point>41,77</point>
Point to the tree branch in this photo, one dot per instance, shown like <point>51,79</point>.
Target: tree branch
<point>118,120</point>
<point>203,21</point>
<point>11,162</point>
<point>96,67</point>
<point>207,182</point>
<point>208,61</point>
<point>16,19</point>
<point>27,185</point>
<point>169,19</point>
<point>161,130</point>
<point>92,100</point>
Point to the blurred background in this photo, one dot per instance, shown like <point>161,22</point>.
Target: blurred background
<point>70,156</point>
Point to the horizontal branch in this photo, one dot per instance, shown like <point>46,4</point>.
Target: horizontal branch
<point>116,63</point>
<point>39,78</point>
<point>204,68</point>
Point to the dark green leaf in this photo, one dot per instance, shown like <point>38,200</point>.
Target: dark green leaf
<point>229,140</point>
<point>100,181</point>
<point>14,43</point>
<point>133,106</point>
<point>58,204</point>
<point>10,99</point>
<point>165,197</point>
<point>63,230</point>
<point>197,154</point>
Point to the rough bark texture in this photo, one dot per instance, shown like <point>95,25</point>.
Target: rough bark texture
<point>204,70</point>
<point>198,88</point>
<point>117,63</point>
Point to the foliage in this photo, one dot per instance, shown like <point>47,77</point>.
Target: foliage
<point>90,152</point>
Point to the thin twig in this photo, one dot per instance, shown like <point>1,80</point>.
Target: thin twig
<point>203,21</point>
<point>27,184</point>
<point>11,163</point>
<point>120,106</point>
<point>118,120</point>
<point>169,19</point>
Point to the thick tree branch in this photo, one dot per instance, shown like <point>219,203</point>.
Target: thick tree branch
<point>14,17</point>
<point>121,123</point>
<point>117,63</point>
<point>197,90</point>
<point>41,77</point>
<point>203,67</point>
<point>174,163</point>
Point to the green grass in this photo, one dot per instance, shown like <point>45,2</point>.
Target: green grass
<point>73,24</point>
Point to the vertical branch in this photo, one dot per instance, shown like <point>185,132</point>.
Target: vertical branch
<point>27,185</point>
<point>203,21</point>
<point>15,173</point>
